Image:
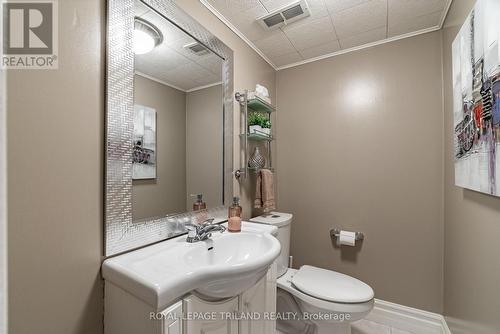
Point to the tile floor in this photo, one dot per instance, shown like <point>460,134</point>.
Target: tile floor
<point>370,327</point>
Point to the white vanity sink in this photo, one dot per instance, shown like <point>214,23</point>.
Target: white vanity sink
<point>221,267</point>
<point>231,262</point>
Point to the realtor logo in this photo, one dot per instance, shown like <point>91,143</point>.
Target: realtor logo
<point>29,35</point>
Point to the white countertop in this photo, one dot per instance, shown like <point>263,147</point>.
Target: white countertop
<point>159,274</point>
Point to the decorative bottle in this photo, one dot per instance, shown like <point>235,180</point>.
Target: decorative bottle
<point>199,204</point>
<point>256,161</point>
<point>234,215</point>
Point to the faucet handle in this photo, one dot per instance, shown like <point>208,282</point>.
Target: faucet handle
<point>206,222</point>
<point>192,231</point>
<point>192,227</point>
<point>192,234</point>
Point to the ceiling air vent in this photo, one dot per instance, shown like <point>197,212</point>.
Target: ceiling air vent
<point>285,15</point>
<point>197,48</point>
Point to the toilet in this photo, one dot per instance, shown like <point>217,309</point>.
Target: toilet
<point>314,300</point>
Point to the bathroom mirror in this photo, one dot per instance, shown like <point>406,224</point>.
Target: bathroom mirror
<point>169,123</point>
<point>178,119</point>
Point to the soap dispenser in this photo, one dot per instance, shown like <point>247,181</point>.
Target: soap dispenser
<point>199,204</point>
<point>234,216</point>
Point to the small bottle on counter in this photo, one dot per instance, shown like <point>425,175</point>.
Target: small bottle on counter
<point>234,215</point>
<point>199,204</point>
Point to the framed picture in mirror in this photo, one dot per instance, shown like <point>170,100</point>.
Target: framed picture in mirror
<point>144,159</point>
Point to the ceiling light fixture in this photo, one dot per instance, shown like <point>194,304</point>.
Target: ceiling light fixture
<point>146,36</point>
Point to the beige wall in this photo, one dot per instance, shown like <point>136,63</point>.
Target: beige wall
<point>204,143</point>
<point>472,226</point>
<point>3,200</point>
<point>165,194</point>
<point>55,165</point>
<point>360,147</point>
<point>249,69</point>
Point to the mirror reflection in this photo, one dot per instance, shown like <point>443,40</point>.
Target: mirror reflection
<point>178,120</point>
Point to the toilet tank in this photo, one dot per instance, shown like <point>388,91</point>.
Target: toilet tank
<point>283,222</point>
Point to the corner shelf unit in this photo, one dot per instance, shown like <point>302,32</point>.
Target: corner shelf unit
<point>258,136</point>
<point>257,104</point>
<point>250,102</point>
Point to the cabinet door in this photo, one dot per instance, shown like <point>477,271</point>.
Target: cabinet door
<point>271,286</point>
<point>172,319</point>
<point>211,317</point>
<point>260,299</point>
<point>253,301</point>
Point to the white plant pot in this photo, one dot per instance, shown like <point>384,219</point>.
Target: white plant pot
<point>267,131</point>
<point>255,128</point>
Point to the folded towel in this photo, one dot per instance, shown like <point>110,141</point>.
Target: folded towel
<point>264,192</point>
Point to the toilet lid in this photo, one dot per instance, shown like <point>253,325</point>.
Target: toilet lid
<point>332,286</point>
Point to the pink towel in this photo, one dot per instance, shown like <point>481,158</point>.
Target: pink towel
<point>264,192</point>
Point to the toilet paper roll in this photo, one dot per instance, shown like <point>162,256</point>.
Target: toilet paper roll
<point>347,238</point>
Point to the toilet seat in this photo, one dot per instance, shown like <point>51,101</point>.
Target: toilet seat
<point>331,286</point>
<point>358,310</point>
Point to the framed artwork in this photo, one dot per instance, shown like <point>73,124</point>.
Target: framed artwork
<point>144,153</point>
<point>476,99</point>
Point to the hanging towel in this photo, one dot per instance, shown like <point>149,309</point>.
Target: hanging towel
<point>264,192</point>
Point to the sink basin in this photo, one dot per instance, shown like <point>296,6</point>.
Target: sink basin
<point>235,261</point>
<point>229,250</point>
<point>221,267</point>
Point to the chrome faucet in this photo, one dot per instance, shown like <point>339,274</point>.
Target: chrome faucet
<point>203,231</point>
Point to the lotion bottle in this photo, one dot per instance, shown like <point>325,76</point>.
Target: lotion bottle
<point>199,204</point>
<point>234,215</point>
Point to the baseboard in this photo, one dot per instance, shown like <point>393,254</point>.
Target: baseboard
<point>407,318</point>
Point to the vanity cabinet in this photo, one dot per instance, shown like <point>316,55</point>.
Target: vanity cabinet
<point>253,300</point>
<point>127,314</point>
<point>211,317</point>
<point>260,299</point>
<point>171,320</point>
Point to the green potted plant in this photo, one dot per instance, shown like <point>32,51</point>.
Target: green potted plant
<point>266,126</point>
<point>254,122</point>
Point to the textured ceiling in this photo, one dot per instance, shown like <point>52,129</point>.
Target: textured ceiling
<point>170,62</point>
<point>333,27</point>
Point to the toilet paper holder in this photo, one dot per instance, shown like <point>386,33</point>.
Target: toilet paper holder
<point>335,233</point>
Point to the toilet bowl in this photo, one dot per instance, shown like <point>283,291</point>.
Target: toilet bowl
<point>313,300</point>
<point>328,308</point>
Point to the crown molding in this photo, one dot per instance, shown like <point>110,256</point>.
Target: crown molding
<point>144,75</point>
<point>203,87</point>
<point>445,13</point>
<point>361,47</point>
<point>333,54</point>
